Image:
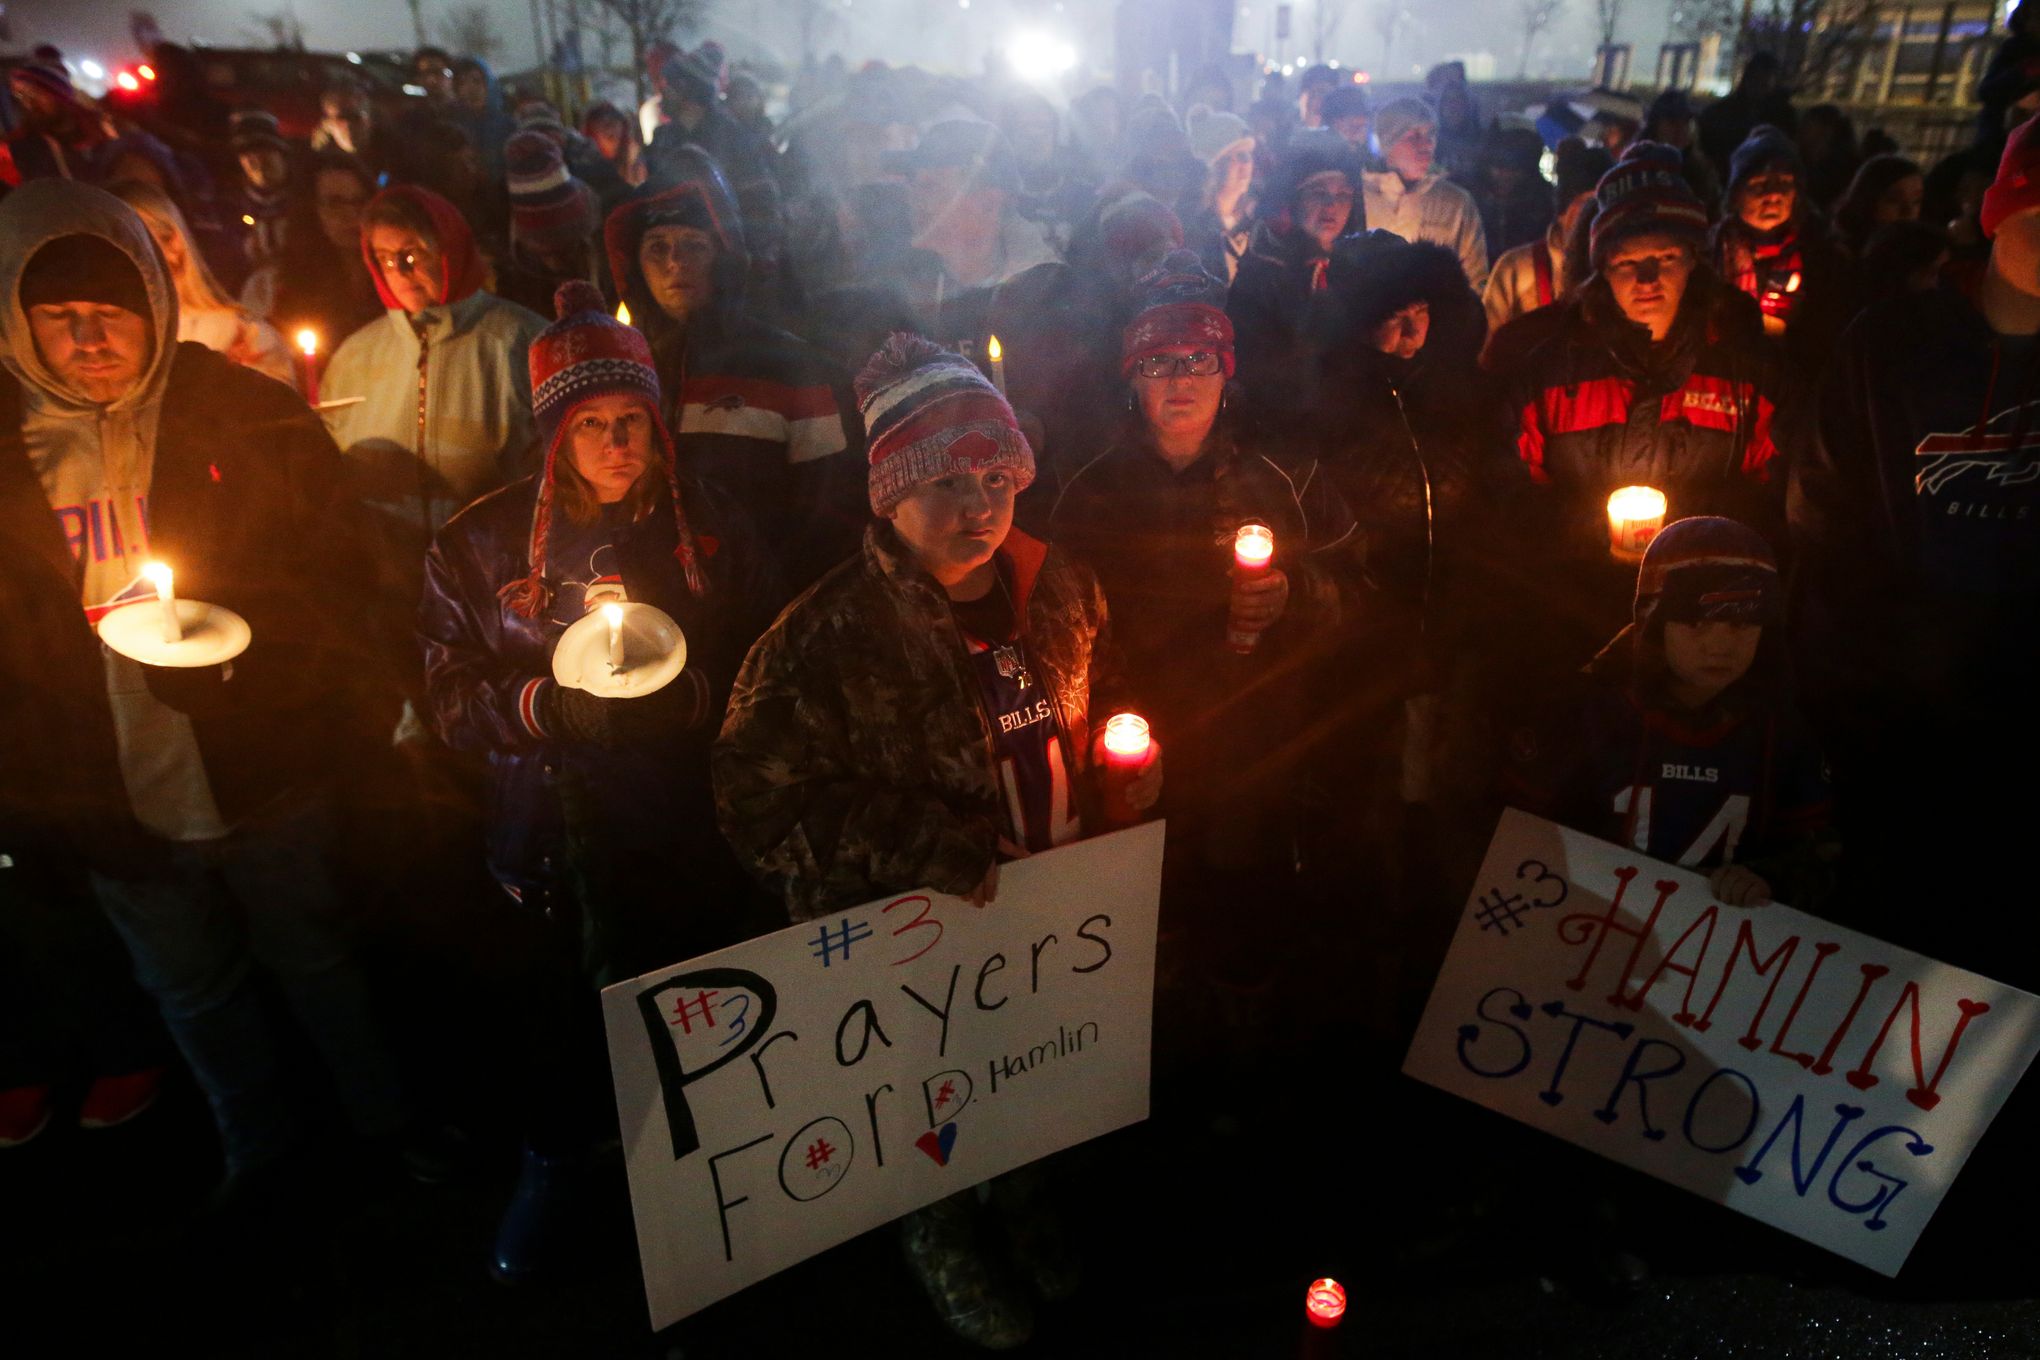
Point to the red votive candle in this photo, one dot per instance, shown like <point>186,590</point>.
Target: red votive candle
<point>1127,743</point>
<point>1253,550</point>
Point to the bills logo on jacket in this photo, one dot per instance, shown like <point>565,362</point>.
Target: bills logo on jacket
<point>2003,457</point>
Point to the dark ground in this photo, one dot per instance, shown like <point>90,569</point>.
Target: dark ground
<point>1197,1243</point>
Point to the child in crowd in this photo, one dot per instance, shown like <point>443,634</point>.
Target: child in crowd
<point>1681,739</point>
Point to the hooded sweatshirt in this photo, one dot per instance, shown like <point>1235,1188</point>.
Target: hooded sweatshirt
<point>94,462</point>
<point>444,415</point>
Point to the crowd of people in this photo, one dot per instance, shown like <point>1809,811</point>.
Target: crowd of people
<point>932,418</point>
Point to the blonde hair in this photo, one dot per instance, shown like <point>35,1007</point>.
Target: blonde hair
<point>197,289</point>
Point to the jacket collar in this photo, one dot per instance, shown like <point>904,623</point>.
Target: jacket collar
<point>1021,555</point>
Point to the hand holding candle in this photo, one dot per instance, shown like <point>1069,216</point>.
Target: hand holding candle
<point>308,363</point>
<point>1259,592</point>
<point>1130,768</point>
<point>1635,515</point>
<point>159,576</point>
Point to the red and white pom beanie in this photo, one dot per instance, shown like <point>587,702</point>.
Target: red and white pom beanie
<point>586,354</point>
<point>930,414</point>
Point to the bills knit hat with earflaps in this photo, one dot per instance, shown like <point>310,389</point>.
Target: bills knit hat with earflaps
<point>1705,568</point>
<point>930,414</point>
<point>586,354</point>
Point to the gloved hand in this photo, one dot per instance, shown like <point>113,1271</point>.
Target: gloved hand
<point>614,724</point>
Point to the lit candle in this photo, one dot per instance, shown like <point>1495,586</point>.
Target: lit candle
<point>308,352</point>
<point>1635,514</point>
<point>1253,550</point>
<point>1253,547</point>
<point>1127,746</point>
<point>997,355</point>
<point>1127,740</point>
<point>1324,1303</point>
<point>159,575</point>
<point>623,312</point>
<point>612,614</point>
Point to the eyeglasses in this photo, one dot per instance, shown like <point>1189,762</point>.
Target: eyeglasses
<point>405,262</point>
<point>1202,364</point>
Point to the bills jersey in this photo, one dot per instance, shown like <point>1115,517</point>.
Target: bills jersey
<point>1033,768</point>
<point>1698,791</point>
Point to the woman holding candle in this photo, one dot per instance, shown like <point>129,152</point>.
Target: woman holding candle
<point>598,807</point>
<point>205,312</point>
<point>1652,373</point>
<point>999,648</point>
<point>1230,569</point>
<point>1773,245</point>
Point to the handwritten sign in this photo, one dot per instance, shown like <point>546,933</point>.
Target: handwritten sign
<point>1822,1081</point>
<point>791,1092</point>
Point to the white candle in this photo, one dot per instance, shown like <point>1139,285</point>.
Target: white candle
<point>997,355</point>
<point>613,615</point>
<point>159,575</point>
<point>1635,515</point>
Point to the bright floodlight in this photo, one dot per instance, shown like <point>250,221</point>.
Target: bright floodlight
<point>1040,56</point>
<point>92,69</point>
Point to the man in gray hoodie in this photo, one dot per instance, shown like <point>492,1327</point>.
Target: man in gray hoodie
<point>198,800</point>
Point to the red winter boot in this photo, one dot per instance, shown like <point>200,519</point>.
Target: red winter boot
<point>115,1100</point>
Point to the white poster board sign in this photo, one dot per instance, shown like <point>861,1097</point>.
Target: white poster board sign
<point>788,1093</point>
<point>1814,1078</point>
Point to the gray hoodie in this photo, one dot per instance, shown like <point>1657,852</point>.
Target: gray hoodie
<point>95,463</point>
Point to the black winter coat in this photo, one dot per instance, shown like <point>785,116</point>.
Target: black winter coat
<point>245,499</point>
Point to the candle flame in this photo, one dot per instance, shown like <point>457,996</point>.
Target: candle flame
<point>612,614</point>
<point>1254,545</point>
<point>157,574</point>
<point>1636,502</point>
<point>992,350</point>
<point>247,220</point>
<point>623,312</point>
<point>308,341</point>
<point>1126,734</point>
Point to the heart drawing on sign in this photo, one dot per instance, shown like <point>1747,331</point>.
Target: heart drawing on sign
<point>937,1143</point>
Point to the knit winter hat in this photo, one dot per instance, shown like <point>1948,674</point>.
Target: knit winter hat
<point>49,78</point>
<point>549,208</point>
<point>930,414</point>
<point>1765,146</point>
<point>83,268</point>
<point>2017,186</point>
<point>1398,116</point>
<point>1706,568</point>
<point>1578,169</point>
<point>1646,192</point>
<point>256,130</point>
<point>1345,101</point>
<point>1181,309</point>
<point>584,355</point>
<point>536,115</point>
<point>1214,132</point>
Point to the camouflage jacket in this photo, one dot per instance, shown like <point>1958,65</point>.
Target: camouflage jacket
<point>856,760</point>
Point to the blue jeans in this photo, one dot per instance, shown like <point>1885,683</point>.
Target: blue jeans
<point>264,894</point>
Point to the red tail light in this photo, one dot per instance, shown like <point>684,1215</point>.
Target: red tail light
<point>146,72</point>
<point>126,80</point>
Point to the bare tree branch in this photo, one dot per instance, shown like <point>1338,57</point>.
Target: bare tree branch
<point>470,30</point>
<point>1390,18</point>
<point>1535,16</point>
